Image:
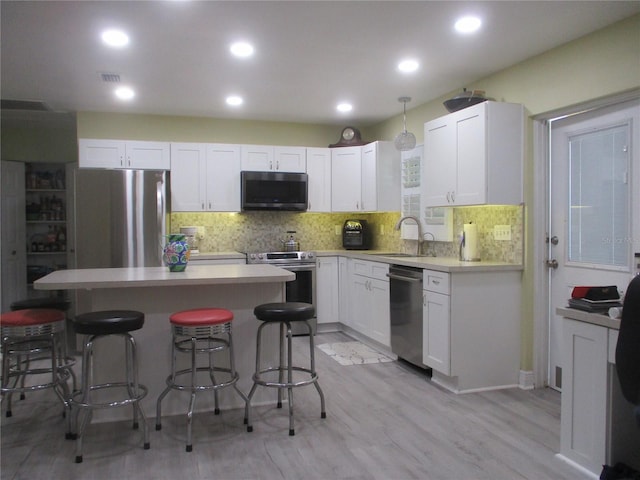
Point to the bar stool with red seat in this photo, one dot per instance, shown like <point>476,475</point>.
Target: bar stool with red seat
<point>199,331</point>
<point>32,346</point>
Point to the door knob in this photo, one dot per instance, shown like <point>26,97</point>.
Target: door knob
<point>553,263</point>
<point>553,240</point>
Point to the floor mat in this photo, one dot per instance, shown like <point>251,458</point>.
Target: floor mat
<point>353,353</point>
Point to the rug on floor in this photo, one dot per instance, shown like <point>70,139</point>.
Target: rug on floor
<point>353,353</point>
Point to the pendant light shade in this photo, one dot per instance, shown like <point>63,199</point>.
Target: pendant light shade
<point>405,140</point>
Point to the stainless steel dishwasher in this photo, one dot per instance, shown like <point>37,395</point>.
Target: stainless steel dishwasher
<point>405,284</point>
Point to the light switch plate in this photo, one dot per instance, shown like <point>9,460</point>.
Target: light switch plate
<point>338,230</point>
<point>502,232</point>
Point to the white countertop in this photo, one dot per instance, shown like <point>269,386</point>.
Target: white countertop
<point>217,256</point>
<point>593,318</point>
<point>90,278</point>
<point>441,264</point>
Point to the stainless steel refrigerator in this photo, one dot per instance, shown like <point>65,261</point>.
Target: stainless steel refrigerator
<point>120,217</point>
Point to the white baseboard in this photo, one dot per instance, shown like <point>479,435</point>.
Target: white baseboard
<point>527,380</point>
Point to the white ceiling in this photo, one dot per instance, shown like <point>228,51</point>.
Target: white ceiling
<point>309,54</point>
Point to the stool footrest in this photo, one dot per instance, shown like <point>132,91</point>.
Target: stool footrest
<point>115,403</point>
<point>257,377</point>
<point>177,386</point>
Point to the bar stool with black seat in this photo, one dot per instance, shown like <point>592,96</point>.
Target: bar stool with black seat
<point>33,346</point>
<point>284,314</point>
<point>199,331</point>
<point>96,326</point>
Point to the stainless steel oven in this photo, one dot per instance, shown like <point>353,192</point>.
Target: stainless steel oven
<point>303,288</point>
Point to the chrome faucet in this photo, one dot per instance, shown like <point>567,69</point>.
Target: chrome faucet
<point>420,234</point>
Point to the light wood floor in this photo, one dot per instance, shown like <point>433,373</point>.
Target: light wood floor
<point>384,421</point>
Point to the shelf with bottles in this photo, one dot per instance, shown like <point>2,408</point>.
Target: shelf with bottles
<point>51,241</point>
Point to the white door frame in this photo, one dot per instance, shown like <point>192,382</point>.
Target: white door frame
<point>539,210</point>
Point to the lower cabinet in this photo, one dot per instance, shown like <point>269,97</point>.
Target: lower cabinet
<point>327,291</point>
<point>471,330</point>
<point>583,418</point>
<point>370,314</point>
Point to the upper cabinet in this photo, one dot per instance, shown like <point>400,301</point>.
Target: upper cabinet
<point>205,177</point>
<point>319,171</point>
<point>366,178</point>
<point>123,154</point>
<point>474,156</point>
<point>265,158</point>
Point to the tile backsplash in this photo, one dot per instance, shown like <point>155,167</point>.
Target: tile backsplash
<point>264,231</point>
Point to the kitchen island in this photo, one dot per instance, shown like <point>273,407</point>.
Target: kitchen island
<point>158,292</point>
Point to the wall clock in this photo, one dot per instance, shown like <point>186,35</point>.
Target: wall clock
<point>349,137</point>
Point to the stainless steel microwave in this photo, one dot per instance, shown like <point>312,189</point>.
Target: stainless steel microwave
<point>274,191</point>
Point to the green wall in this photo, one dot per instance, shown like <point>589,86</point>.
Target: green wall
<point>201,129</point>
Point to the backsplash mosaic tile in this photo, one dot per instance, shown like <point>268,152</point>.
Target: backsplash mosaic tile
<point>263,231</point>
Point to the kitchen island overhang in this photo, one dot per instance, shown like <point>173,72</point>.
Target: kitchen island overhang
<point>158,293</point>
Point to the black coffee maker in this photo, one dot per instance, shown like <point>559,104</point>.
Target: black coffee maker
<point>356,235</point>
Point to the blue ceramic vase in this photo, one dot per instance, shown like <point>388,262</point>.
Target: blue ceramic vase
<point>176,252</point>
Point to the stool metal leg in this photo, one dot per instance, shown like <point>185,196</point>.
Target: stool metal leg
<point>312,357</point>
<point>247,410</point>
<point>281,372</point>
<point>289,378</point>
<point>212,376</point>
<point>170,381</point>
<point>84,414</point>
<point>192,402</point>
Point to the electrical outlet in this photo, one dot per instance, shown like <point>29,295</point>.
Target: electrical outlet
<point>381,229</point>
<point>502,232</point>
<point>338,230</point>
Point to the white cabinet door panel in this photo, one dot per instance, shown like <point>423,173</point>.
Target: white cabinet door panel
<point>436,332</point>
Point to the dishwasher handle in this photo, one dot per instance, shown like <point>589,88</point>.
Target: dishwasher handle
<point>404,279</point>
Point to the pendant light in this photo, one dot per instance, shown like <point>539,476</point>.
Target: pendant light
<point>405,140</point>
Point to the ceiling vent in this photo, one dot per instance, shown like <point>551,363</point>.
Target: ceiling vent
<point>27,105</point>
<point>110,77</point>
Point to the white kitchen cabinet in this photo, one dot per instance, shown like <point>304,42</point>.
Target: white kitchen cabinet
<point>319,172</point>
<point>436,329</point>
<point>380,177</point>
<point>327,290</point>
<point>583,418</point>
<point>344,293</point>
<point>265,158</point>
<point>346,167</point>
<point>474,156</point>
<point>471,331</point>
<point>370,314</point>
<point>123,154</point>
<point>366,178</point>
<point>205,177</point>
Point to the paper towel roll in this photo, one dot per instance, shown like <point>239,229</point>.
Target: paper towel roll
<point>470,250</point>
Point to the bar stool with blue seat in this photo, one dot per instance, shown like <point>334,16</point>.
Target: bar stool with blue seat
<point>33,346</point>
<point>283,314</point>
<point>198,331</point>
<point>96,326</point>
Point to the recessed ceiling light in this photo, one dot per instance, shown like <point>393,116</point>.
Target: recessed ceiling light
<point>408,66</point>
<point>241,49</point>
<point>468,24</point>
<point>344,107</point>
<point>115,38</point>
<point>125,93</point>
<point>234,100</point>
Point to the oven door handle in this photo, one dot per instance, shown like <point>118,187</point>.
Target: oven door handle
<point>403,278</point>
<point>298,268</point>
